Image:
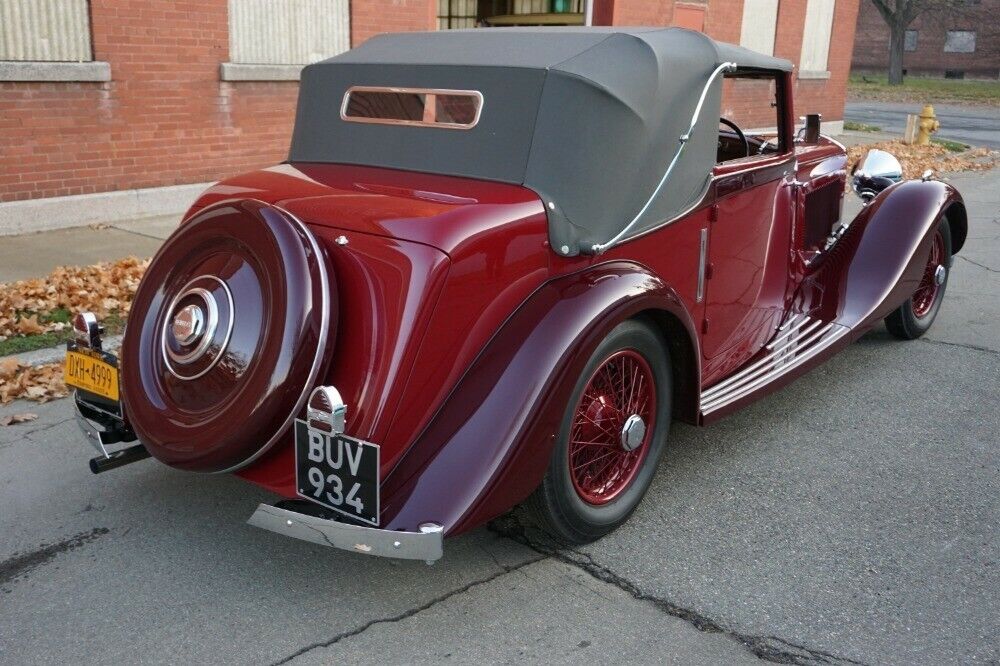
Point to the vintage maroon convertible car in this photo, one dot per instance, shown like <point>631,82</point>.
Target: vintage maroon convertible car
<point>493,269</point>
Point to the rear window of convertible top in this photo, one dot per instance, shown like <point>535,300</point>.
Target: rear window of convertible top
<point>420,107</point>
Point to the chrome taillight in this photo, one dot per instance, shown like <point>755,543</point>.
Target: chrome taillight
<point>87,330</point>
<point>326,410</point>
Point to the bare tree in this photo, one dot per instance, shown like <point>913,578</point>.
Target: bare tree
<point>898,15</point>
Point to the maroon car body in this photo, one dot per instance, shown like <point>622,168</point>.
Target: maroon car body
<point>455,333</point>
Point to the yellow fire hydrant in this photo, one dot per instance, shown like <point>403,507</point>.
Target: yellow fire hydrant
<point>928,124</point>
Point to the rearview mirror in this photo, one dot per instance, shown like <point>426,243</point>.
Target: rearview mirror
<point>874,172</point>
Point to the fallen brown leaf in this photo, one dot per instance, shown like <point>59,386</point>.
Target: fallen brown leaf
<point>8,367</point>
<point>29,325</point>
<point>40,383</point>
<point>917,159</point>
<point>100,288</point>
<point>13,419</point>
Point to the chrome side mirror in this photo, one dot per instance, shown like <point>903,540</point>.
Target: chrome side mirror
<point>874,172</point>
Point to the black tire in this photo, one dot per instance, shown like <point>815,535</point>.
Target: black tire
<point>905,322</point>
<point>556,506</point>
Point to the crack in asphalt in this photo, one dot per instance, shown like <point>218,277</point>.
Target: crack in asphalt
<point>136,233</point>
<point>28,433</point>
<point>505,570</point>
<point>976,263</point>
<point>963,345</point>
<point>768,648</point>
<point>49,426</point>
<point>21,564</point>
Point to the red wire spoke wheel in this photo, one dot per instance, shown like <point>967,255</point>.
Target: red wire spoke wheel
<point>612,425</point>
<point>914,317</point>
<point>612,434</point>
<point>925,295</point>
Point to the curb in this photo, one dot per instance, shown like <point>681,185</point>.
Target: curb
<point>112,208</point>
<point>54,354</point>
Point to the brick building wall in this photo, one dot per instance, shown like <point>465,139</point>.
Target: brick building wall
<point>871,46</point>
<point>370,17</point>
<point>167,118</point>
<point>164,118</point>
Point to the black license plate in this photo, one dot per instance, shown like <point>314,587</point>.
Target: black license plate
<point>337,471</point>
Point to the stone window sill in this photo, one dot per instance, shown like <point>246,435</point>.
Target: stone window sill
<point>814,75</point>
<point>11,70</point>
<point>231,71</point>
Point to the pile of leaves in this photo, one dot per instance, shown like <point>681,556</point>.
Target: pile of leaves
<point>917,159</point>
<point>39,383</point>
<point>27,306</point>
<point>43,305</point>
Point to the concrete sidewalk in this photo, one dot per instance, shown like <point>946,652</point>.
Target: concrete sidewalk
<point>36,255</point>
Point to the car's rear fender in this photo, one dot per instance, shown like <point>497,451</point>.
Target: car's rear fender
<point>879,261</point>
<point>489,445</point>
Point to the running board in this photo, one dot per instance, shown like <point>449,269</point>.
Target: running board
<point>799,340</point>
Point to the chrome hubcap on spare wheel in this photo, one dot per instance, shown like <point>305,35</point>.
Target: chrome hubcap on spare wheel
<point>197,327</point>
<point>188,324</point>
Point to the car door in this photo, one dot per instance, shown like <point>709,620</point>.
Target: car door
<point>750,228</point>
<point>748,251</point>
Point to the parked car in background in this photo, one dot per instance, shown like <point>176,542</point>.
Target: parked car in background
<point>494,268</point>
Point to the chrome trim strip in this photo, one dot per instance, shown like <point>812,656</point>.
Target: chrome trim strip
<point>598,248</point>
<point>784,354</point>
<point>412,123</point>
<point>716,388</point>
<point>791,320</point>
<point>826,337</point>
<point>324,336</point>
<point>807,324</point>
<point>702,264</point>
<point>425,545</point>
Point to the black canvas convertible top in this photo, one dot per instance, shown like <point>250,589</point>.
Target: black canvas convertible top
<point>588,118</point>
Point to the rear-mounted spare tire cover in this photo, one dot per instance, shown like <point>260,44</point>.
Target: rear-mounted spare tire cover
<point>230,328</point>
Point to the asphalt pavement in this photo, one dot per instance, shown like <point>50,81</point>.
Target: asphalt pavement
<point>850,518</point>
<point>976,125</point>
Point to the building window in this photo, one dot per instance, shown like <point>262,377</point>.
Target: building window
<point>48,40</point>
<point>505,13</point>
<point>287,32</point>
<point>816,37</point>
<point>760,19</point>
<point>910,40</point>
<point>456,14</point>
<point>960,41</point>
<point>45,31</point>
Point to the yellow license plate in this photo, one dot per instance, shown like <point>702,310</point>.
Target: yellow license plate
<point>91,374</point>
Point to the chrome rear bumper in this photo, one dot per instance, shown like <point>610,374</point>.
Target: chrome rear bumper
<point>424,545</point>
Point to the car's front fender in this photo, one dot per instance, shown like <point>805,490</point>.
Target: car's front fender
<point>489,445</point>
<point>879,261</point>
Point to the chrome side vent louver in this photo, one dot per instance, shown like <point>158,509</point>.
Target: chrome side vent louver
<point>796,341</point>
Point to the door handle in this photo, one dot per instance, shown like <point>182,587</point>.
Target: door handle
<point>734,184</point>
